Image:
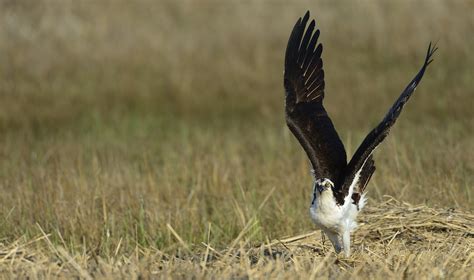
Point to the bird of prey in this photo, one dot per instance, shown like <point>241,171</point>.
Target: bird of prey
<point>338,190</point>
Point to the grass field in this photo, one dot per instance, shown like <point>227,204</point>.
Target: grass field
<point>147,138</point>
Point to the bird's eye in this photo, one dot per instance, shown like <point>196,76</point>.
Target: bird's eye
<point>327,185</point>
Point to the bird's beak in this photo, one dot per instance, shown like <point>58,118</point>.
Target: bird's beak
<point>320,188</point>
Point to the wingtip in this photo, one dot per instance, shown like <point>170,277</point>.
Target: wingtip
<point>432,48</point>
<point>307,14</point>
<point>305,18</point>
<point>298,22</point>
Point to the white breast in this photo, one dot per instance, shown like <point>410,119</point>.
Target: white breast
<point>329,216</point>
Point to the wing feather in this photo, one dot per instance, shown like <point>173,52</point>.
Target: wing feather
<point>305,115</point>
<point>364,177</point>
<point>378,134</point>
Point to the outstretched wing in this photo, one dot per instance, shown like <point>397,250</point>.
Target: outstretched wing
<point>378,134</point>
<point>305,114</point>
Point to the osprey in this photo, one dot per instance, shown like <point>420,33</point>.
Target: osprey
<point>338,190</point>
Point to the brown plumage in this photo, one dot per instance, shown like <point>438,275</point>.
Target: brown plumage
<point>309,122</point>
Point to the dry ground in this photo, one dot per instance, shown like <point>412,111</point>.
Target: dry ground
<point>147,138</point>
<point>395,240</point>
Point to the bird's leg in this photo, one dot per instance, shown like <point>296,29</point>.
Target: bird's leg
<point>335,240</point>
<point>346,240</point>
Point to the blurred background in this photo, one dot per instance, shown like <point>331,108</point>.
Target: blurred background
<point>117,117</point>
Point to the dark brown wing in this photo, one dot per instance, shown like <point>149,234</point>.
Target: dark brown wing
<point>366,173</point>
<point>378,134</point>
<point>305,114</point>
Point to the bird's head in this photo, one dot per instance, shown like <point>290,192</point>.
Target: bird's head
<point>323,184</point>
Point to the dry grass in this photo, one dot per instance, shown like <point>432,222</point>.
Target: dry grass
<point>131,132</point>
<point>395,240</point>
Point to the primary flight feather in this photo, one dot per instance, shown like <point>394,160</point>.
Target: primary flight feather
<point>338,190</point>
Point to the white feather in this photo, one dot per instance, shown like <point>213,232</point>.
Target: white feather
<point>337,221</point>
